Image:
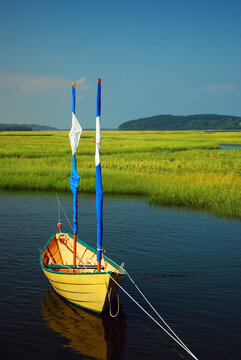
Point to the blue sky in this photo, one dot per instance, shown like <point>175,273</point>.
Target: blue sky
<point>153,56</point>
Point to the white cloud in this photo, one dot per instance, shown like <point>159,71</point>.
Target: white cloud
<point>37,84</point>
<point>81,84</point>
<point>216,88</point>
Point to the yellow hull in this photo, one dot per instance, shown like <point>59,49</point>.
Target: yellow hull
<point>86,288</point>
<point>88,291</point>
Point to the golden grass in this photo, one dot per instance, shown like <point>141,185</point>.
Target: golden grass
<point>170,168</point>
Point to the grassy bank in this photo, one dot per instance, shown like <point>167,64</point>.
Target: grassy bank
<point>170,168</point>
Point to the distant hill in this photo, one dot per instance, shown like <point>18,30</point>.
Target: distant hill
<point>25,127</point>
<point>190,122</point>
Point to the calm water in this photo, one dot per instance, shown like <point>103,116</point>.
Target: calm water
<point>187,264</point>
<point>229,146</point>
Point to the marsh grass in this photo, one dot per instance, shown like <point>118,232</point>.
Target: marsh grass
<point>184,169</point>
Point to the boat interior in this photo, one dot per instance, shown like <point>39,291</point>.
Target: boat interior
<point>58,256</point>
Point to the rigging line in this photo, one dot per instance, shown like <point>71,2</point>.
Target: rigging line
<point>65,266</point>
<point>151,306</point>
<point>59,211</point>
<point>63,211</point>
<point>77,255</point>
<point>54,255</point>
<point>155,310</point>
<point>111,260</point>
<point>178,342</point>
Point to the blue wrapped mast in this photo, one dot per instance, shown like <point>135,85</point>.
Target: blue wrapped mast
<point>99,189</point>
<point>74,137</point>
<point>74,183</point>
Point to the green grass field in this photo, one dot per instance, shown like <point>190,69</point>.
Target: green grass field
<point>184,169</point>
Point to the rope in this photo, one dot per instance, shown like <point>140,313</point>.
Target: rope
<point>58,209</point>
<point>53,255</point>
<point>66,239</point>
<point>66,266</point>
<point>109,300</point>
<point>179,340</point>
<point>174,338</point>
<point>64,212</point>
<point>156,311</point>
<point>77,255</point>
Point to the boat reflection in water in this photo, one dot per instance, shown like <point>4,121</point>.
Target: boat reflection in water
<point>97,337</point>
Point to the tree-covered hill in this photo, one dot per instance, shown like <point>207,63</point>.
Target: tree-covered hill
<point>25,127</point>
<point>190,122</point>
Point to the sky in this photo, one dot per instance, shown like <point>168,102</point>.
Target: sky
<point>154,57</point>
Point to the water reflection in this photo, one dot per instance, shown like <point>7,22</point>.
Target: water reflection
<point>91,335</point>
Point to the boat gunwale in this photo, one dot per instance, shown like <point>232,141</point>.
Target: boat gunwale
<point>118,267</point>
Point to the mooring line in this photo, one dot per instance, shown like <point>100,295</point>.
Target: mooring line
<point>156,311</point>
<point>180,343</point>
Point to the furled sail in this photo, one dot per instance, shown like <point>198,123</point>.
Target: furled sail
<point>74,137</point>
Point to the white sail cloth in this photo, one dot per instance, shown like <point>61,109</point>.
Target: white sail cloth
<point>74,134</point>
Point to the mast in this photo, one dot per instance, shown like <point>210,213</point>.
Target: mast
<point>74,137</point>
<point>99,189</point>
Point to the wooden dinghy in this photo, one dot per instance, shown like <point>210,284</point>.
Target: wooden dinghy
<point>82,284</point>
<point>76,271</point>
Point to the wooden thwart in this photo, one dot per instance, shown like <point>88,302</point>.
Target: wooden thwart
<point>58,266</point>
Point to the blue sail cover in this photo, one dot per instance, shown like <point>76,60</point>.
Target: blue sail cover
<point>74,183</point>
<point>74,137</point>
<point>99,189</point>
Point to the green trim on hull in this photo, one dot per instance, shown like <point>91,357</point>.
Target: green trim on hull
<point>123,272</point>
